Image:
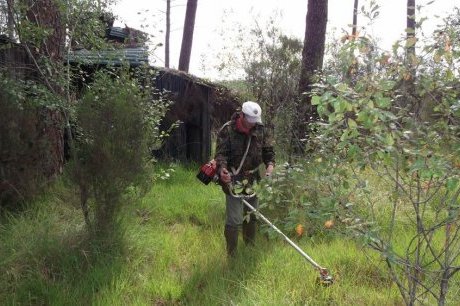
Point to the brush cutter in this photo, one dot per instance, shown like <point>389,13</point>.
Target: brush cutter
<point>324,277</point>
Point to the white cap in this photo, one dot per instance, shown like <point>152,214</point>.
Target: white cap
<point>252,112</point>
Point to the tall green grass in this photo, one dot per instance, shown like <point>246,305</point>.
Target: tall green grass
<point>171,251</point>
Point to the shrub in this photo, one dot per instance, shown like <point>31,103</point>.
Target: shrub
<point>385,160</point>
<point>117,122</point>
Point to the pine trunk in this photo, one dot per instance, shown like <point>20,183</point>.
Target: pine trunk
<point>312,61</point>
<point>314,43</point>
<point>168,31</point>
<point>355,18</point>
<point>187,37</point>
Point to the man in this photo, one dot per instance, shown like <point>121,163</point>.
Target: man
<point>243,144</point>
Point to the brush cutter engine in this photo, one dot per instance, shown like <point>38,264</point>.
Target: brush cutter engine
<point>208,172</point>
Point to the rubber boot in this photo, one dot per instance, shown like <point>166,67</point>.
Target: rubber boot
<point>231,237</point>
<point>249,232</point>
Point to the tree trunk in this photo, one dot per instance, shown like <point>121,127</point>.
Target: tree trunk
<point>353,68</point>
<point>10,18</point>
<point>187,36</point>
<point>409,79</point>
<point>168,31</point>
<point>46,14</point>
<point>410,51</point>
<point>315,37</point>
<point>355,18</point>
<point>410,40</point>
<point>312,61</point>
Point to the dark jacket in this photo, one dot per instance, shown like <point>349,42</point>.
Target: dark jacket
<point>232,144</point>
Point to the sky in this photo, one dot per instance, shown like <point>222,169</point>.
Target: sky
<point>213,16</point>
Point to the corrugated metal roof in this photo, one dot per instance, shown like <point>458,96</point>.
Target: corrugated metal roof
<point>117,32</point>
<point>133,56</point>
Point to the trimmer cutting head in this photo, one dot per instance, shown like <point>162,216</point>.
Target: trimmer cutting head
<point>325,278</point>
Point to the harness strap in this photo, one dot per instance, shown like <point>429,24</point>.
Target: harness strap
<point>235,172</point>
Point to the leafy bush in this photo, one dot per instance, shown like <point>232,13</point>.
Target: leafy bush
<point>385,160</point>
<point>302,198</point>
<point>36,97</point>
<point>117,123</point>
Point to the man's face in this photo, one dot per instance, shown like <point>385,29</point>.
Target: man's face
<point>247,124</point>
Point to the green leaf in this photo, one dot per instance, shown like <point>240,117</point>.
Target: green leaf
<point>388,84</point>
<point>344,136</point>
<point>362,117</point>
<point>315,100</point>
<point>342,87</point>
<point>322,110</point>
<point>332,117</point>
<point>389,140</point>
<point>352,123</point>
<point>342,105</point>
<point>366,119</point>
<point>383,102</point>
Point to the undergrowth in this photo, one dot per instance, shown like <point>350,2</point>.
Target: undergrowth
<point>170,250</point>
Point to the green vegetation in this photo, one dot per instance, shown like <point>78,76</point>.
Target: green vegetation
<point>117,130</point>
<point>170,250</point>
<point>375,199</point>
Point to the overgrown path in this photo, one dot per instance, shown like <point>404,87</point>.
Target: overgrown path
<point>172,253</point>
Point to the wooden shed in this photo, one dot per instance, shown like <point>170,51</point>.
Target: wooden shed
<point>199,106</point>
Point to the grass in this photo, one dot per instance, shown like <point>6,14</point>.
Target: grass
<point>172,252</point>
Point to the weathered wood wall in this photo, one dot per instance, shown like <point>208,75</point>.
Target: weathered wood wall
<point>14,60</point>
<point>201,107</point>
